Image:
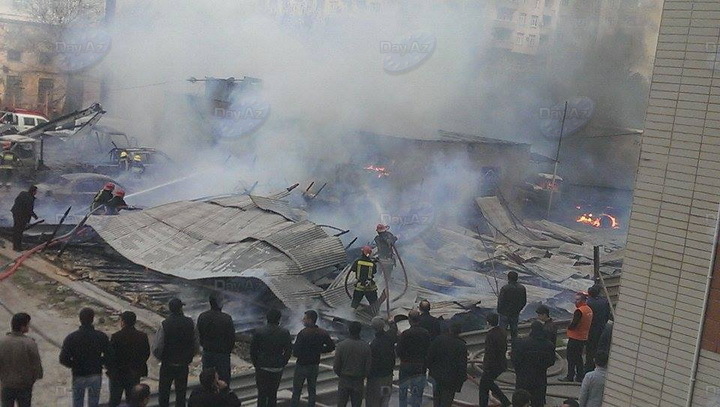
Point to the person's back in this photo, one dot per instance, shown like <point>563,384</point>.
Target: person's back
<point>84,351</point>
<point>593,385</point>
<point>413,344</point>
<point>600,314</point>
<point>212,392</point>
<point>178,346</point>
<point>271,347</point>
<point>513,298</point>
<point>20,365</point>
<point>428,321</point>
<point>531,357</point>
<point>311,342</point>
<point>447,359</point>
<point>217,331</point>
<point>353,357</point>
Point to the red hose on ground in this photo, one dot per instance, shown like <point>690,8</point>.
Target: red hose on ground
<point>26,255</point>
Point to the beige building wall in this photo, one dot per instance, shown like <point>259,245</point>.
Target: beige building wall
<point>671,233</point>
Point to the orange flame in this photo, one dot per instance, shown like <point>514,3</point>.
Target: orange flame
<point>381,171</point>
<point>597,221</point>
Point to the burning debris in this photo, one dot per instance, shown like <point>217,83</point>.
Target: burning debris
<point>602,220</point>
<point>381,171</point>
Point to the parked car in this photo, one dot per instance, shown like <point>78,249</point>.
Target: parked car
<point>22,119</point>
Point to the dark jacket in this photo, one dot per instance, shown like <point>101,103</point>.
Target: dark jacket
<point>550,330</point>
<point>447,361</point>
<point>310,343</point>
<point>601,315</point>
<point>430,323</point>
<point>129,352</point>
<point>382,349</point>
<point>216,331</point>
<point>271,347</point>
<point>176,340</point>
<point>385,242</point>
<point>114,205</point>
<point>204,398</point>
<point>605,338</point>
<point>101,198</point>
<point>24,206</point>
<point>531,357</point>
<point>512,299</point>
<point>85,351</point>
<point>413,345</point>
<point>494,359</point>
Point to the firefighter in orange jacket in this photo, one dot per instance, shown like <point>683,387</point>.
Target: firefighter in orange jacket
<point>365,269</point>
<point>578,332</point>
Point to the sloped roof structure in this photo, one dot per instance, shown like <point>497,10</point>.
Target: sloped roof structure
<point>241,236</point>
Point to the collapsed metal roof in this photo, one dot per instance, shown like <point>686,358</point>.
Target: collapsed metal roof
<point>238,236</point>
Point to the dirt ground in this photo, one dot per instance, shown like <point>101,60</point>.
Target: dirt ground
<point>53,308</point>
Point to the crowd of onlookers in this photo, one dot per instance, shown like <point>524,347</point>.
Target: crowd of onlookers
<point>429,351</point>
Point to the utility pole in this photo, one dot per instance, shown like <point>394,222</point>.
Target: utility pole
<point>557,157</point>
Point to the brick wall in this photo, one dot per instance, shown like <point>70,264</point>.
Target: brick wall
<point>677,191</point>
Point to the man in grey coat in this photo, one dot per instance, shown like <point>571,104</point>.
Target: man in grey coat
<point>20,365</point>
<point>593,385</point>
<point>352,365</point>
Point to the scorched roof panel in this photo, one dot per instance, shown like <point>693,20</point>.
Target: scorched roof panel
<point>216,239</point>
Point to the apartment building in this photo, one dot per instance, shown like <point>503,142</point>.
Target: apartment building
<point>666,344</point>
<point>32,73</point>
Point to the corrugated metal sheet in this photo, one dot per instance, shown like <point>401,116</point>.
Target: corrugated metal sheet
<point>226,237</point>
<point>278,206</point>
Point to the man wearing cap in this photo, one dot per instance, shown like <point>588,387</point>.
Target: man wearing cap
<point>175,345</point>
<point>216,332</point>
<point>385,242</point>
<point>543,315</point>
<point>129,352</point>
<point>382,351</point>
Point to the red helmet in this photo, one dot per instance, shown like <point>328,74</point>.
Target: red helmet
<point>366,250</point>
<point>381,228</point>
<point>109,186</point>
<point>120,193</point>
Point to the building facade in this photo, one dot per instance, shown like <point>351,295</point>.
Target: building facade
<point>666,338</point>
<point>31,73</point>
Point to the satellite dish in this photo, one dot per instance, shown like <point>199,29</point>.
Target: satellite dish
<point>579,113</point>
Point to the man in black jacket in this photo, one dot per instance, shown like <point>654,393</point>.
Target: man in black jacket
<point>531,357</point>
<point>311,342</point>
<point>549,327</point>
<point>428,321</point>
<point>385,243</point>
<point>601,315</point>
<point>382,351</point>
<point>447,361</point>
<point>175,346</point>
<point>270,351</point>
<point>212,392</point>
<point>85,352</point>
<point>412,348</point>
<point>511,301</point>
<point>494,362</point>
<point>130,350</point>
<point>217,338</point>
<point>22,210</point>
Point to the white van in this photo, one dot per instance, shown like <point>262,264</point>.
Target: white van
<point>22,119</point>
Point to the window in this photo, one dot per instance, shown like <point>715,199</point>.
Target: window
<point>519,38</point>
<point>547,20</point>
<point>45,91</point>
<point>533,21</point>
<point>532,39</point>
<point>14,55</point>
<point>13,90</point>
<point>45,58</point>
<point>522,18</point>
<point>29,121</point>
<point>505,14</point>
<point>502,34</point>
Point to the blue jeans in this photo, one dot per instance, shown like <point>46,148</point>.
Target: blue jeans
<point>92,384</point>
<point>221,363</point>
<point>303,372</point>
<point>411,379</point>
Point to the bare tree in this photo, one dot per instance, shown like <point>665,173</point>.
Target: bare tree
<point>64,13</point>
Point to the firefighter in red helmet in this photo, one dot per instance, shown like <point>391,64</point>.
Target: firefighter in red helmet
<point>116,203</point>
<point>365,269</point>
<point>103,196</point>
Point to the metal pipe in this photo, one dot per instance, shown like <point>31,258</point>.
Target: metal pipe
<point>596,262</point>
<point>698,342</point>
<point>557,157</point>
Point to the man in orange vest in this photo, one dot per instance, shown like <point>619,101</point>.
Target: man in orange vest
<point>578,332</point>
